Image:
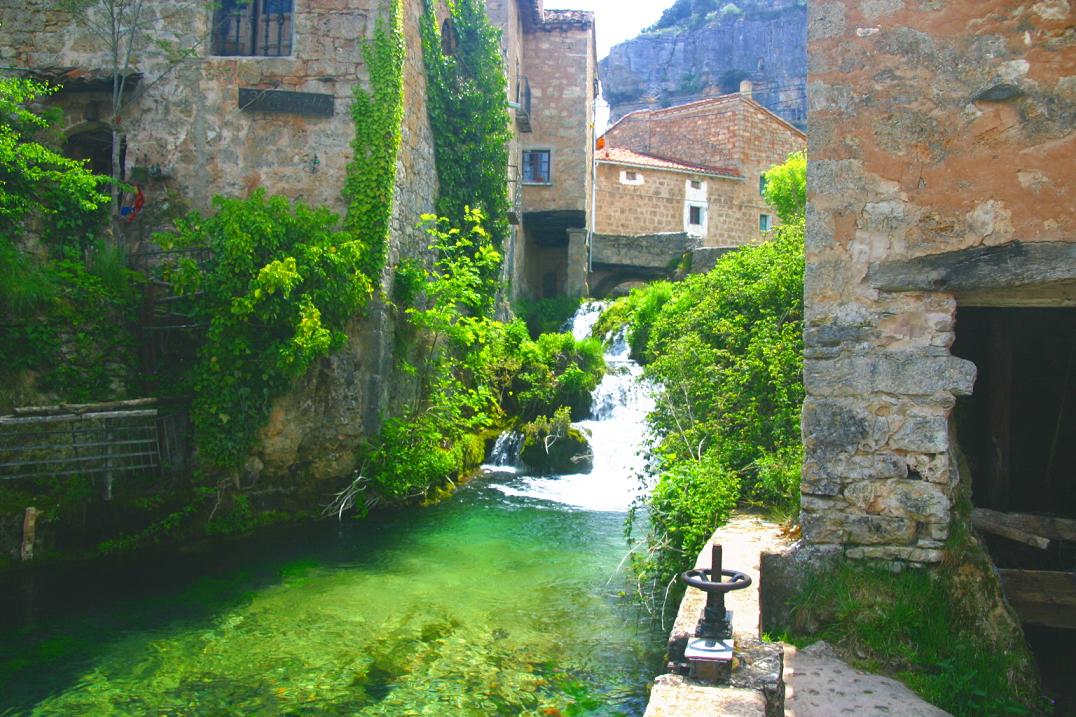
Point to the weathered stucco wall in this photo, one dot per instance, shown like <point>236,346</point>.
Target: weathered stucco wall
<point>940,129</point>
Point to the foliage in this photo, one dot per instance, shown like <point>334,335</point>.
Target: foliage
<point>475,371</point>
<point>556,370</point>
<point>786,187</point>
<point>378,118</point>
<point>36,182</point>
<point>277,294</point>
<point>469,117</point>
<point>684,13</point>
<point>906,624</point>
<point>637,312</point>
<point>727,349</point>
<point>546,316</point>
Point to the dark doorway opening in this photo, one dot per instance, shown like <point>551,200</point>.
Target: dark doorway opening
<point>94,145</point>
<point>1018,433</point>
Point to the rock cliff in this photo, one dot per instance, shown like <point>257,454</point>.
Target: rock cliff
<point>703,55</point>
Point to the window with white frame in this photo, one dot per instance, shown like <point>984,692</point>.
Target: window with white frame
<point>764,223</point>
<point>536,166</point>
<point>695,218</point>
<point>630,176</point>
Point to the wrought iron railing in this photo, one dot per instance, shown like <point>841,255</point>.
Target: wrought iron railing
<point>253,28</point>
<point>523,113</point>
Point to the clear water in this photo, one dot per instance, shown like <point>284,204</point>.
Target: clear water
<point>508,599</point>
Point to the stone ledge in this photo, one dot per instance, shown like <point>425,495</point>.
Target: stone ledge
<point>675,696</point>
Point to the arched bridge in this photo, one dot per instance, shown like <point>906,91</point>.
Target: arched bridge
<point>620,262</point>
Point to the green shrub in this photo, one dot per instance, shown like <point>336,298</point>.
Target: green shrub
<point>281,286</point>
<point>553,445</point>
<point>637,311</point>
<point>547,316</point>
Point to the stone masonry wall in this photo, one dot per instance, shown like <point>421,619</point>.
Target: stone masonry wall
<point>561,112</point>
<point>186,119</point>
<point>657,205</point>
<point>732,133</point>
<point>937,128</point>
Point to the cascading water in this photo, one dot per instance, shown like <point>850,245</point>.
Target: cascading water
<point>617,427</point>
<point>505,454</point>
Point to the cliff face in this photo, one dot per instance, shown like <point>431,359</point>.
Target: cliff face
<point>764,41</point>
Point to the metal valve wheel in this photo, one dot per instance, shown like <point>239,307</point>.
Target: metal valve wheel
<point>703,580</point>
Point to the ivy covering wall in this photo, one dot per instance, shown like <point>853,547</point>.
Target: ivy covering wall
<point>468,112</point>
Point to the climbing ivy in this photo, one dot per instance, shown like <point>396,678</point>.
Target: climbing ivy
<point>378,117</point>
<point>469,116</point>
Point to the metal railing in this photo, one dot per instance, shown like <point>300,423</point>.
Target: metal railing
<point>112,440</point>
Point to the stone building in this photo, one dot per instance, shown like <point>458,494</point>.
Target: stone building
<point>233,96</point>
<point>695,169</point>
<point>940,326</point>
<point>552,67</point>
<point>941,268</point>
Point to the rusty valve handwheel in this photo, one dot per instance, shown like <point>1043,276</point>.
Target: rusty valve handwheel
<point>702,579</point>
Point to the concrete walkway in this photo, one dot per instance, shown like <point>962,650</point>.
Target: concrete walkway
<point>817,682</point>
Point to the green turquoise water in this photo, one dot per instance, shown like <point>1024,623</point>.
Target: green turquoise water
<point>491,603</point>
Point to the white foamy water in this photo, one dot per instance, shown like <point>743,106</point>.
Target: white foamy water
<point>617,427</point>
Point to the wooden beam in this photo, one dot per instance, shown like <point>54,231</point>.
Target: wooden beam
<point>1041,597</point>
<point>986,521</point>
<point>1047,526</point>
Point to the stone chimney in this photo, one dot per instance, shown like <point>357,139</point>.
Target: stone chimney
<point>745,88</point>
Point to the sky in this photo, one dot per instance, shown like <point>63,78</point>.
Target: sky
<point>616,20</point>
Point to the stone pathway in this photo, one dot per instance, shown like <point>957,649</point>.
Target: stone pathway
<point>820,684</point>
<point>817,682</point>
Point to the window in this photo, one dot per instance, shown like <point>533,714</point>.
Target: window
<point>762,185</point>
<point>252,28</point>
<point>631,176</point>
<point>536,167</point>
<point>764,222</point>
<point>696,184</point>
<point>695,218</point>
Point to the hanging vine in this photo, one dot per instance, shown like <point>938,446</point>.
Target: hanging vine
<point>378,117</point>
<point>469,115</point>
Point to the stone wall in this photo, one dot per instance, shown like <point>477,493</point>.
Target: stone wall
<point>185,119</point>
<point>940,132</point>
<point>731,134</point>
<point>656,205</point>
<point>562,111</point>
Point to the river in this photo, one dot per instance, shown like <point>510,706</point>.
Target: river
<point>509,598</point>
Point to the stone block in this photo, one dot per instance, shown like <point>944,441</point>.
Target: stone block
<point>922,434</point>
<point>676,696</point>
<point>890,552</point>
<point>878,530</point>
<point>783,575</point>
<point>907,373</point>
<point>917,500</point>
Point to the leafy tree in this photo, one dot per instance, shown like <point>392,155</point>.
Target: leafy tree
<point>38,188</point>
<point>786,187</point>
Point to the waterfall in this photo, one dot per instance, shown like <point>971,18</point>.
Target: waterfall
<point>506,450</point>
<point>617,426</point>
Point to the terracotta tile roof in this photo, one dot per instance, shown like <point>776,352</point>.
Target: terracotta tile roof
<point>617,155</point>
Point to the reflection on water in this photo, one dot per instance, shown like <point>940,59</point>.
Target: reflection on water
<point>503,600</point>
